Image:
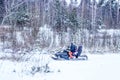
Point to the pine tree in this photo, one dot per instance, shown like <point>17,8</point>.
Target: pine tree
<point>2,10</point>
<point>58,23</point>
<point>73,16</point>
<point>73,20</point>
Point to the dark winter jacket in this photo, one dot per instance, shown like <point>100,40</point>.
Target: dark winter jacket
<point>79,50</point>
<point>73,48</point>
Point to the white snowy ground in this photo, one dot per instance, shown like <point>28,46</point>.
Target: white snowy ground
<point>97,67</point>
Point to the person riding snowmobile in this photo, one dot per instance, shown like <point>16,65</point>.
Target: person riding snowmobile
<point>73,49</point>
<point>69,53</point>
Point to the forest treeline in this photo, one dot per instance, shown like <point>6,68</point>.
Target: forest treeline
<point>81,20</point>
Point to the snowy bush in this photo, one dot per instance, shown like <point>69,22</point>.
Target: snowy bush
<point>37,62</point>
<point>45,36</point>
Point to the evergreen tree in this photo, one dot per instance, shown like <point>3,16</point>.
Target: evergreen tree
<point>64,16</point>
<point>2,10</point>
<point>73,20</point>
<point>109,11</point>
<point>57,24</point>
<point>22,17</point>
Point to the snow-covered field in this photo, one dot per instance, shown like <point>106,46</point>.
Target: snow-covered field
<point>97,67</point>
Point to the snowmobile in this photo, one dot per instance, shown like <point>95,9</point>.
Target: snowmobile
<point>64,56</point>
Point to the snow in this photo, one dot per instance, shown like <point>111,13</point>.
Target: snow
<point>95,0</point>
<point>97,67</point>
<point>5,26</point>
<point>19,37</point>
<point>69,1</point>
<point>110,31</point>
<point>79,1</point>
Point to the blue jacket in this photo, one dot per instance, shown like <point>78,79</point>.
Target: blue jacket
<point>73,48</point>
<point>79,50</point>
